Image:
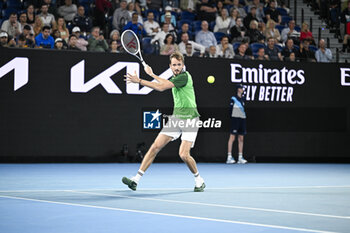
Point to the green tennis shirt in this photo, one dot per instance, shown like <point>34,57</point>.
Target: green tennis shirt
<point>185,106</point>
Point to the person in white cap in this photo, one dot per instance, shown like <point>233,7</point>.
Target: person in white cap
<point>168,10</point>
<point>3,39</point>
<point>81,43</point>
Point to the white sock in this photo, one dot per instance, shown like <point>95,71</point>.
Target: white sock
<point>240,155</point>
<point>229,154</point>
<point>138,176</point>
<point>197,176</point>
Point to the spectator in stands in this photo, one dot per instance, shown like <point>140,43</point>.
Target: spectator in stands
<point>83,22</point>
<point>205,37</point>
<point>3,39</point>
<point>292,57</point>
<point>52,7</point>
<point>38,25</point>
<point>131,7</point>
<point>135,26</point>
<point>261,55</point>
<point>260,15</point>
<point>30,14</point>
<point>345,20</point>
<point>271,31</point>
<point>234,15</point>
<point>100,11</point>
<point>288,49</point>
<point>167,11</point>
<point>195,46</point>
<point>113,47</point>
<point>28,35</point>
<point>242,52</point>
<point>254,35</point>
<point>121,16</point>
<point>248,51</point>
<point>271,51</point>
<point>189,52</point>
<point>169,45</point>
<point>323,54</point>
<point>152,27</point>
<point>305,34</point>
<point>59,44</point>
<point>222,22</point>
<point>167,20</point>
<point>236,5</point>
<point>250,17</point>
<point>115,35</point>
<point>206,10</point>
<point>154,4</point>
<point>272,13</point>
<point>238,31</point>
<point>225,49</point>
<point>97,42</point>
<point>188,5</point>
<point>184,28</point>
<point>47,18</point>
<point>21,42</point>
<point>160,36</point>
<point>68,11</point>
<point>11,26</point>
<point>305,53</point>
<point>23,20</point>
<point>290,32</point>
<point>44,40</point>
<point>61,27</point>
<point>81,42</point>
<point>72,43</point>
<point>212,53</point>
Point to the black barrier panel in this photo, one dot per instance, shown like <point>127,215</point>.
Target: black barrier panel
<point>76,105</point>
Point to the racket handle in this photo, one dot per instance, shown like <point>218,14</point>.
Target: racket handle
<point>144,64</point>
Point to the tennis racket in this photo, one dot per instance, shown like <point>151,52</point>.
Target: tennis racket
<point>131,44</point>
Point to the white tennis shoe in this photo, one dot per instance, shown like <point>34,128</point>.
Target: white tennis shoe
<point>242,160</point>
<point>230,160</point>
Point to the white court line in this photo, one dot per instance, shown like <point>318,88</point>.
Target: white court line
<point>215,205</point>
<point>166,189</point>
<point>169,215</point>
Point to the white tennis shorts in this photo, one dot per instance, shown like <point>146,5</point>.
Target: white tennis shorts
<point>187,128</point>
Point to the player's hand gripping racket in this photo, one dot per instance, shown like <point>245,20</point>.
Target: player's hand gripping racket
<point>131,44</point>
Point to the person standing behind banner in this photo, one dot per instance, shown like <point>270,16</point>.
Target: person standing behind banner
<point>238,125</point>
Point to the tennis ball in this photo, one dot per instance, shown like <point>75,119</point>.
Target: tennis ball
<point>211,79</point>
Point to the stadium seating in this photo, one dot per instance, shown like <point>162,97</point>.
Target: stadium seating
<point>255,47</point>
<point>147,47</point>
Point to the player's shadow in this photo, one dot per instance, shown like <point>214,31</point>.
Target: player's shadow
<point>141,193</point>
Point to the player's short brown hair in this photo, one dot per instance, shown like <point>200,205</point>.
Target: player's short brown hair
<point>178,56</point>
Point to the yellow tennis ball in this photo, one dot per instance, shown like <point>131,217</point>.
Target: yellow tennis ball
<point>211,79</point>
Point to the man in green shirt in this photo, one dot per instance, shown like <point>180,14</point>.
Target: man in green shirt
<point>181,123</point>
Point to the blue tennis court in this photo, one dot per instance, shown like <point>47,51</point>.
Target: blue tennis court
<point>239,198</point>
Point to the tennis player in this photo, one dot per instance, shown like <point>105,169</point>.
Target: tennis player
<point>185,110</point>
<point>238,125</point>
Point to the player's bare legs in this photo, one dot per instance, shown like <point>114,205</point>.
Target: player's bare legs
<point>161,141</point>
<point>229,149</point>
<point>184,152</point>
<point>240,149</point>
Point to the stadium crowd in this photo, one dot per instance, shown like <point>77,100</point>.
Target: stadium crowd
<point>240,29</point>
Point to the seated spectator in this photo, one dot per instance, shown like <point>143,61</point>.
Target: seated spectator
<point>225,49</point>
<point>44,40</point>
<point>113,47</point>
<point>28,35</point>
<point>345,28</point>
<point>97,42</point>
<point>206,10</point>
<point>30,14</point>
<point>131,7</point>
<point>219,7</point>
<point>242,53</point>
<point>305,34</point>
<point>59,44</point>
<point>248,50</point>
<point>11,26</point>
<point>234,15</point>
<point>288,49</point>
<point>222,22</point>
<point>52,7</point>
<point>160,36</point>
<point>254,34</point>
<point>72,43</point>
<point>305,54</point>
<point>250,17</point>
<point>195,46</point>
<point>205,37</point>
<point>38,25</point>
<point>81,42</point>
<point>135,26</point>
<point>292,57</point>
<point>167,11</point>
<point>261,55</point>
<point>3,39</point>
<point>121,16</point>
<point>260,15</point>
<point>83,22</point>
<point>61,27</point>
<point>169,45</point>
<point>47,18</point>
<point>271,31</point>
<point>23,20</point>
<point>236,5</point>
<point>188,5</point>
<point>115,36</point>
<point>290,32</point>
<point>152,27</point>
<point>212,53</point>
<point>184,28</point>
<point>272,12</point>
<point>189,52</point>
<point>68,11</point>
<point>21,41</point>
<point>271,51</point>
<point>167,20</point>
<point>238,31</point>
<point>323,54</point>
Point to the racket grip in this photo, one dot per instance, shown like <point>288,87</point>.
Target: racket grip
<point>144,64</point>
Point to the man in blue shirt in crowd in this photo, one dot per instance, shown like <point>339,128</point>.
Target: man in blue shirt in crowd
<point>44,40</point>
<point>135,26</point>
